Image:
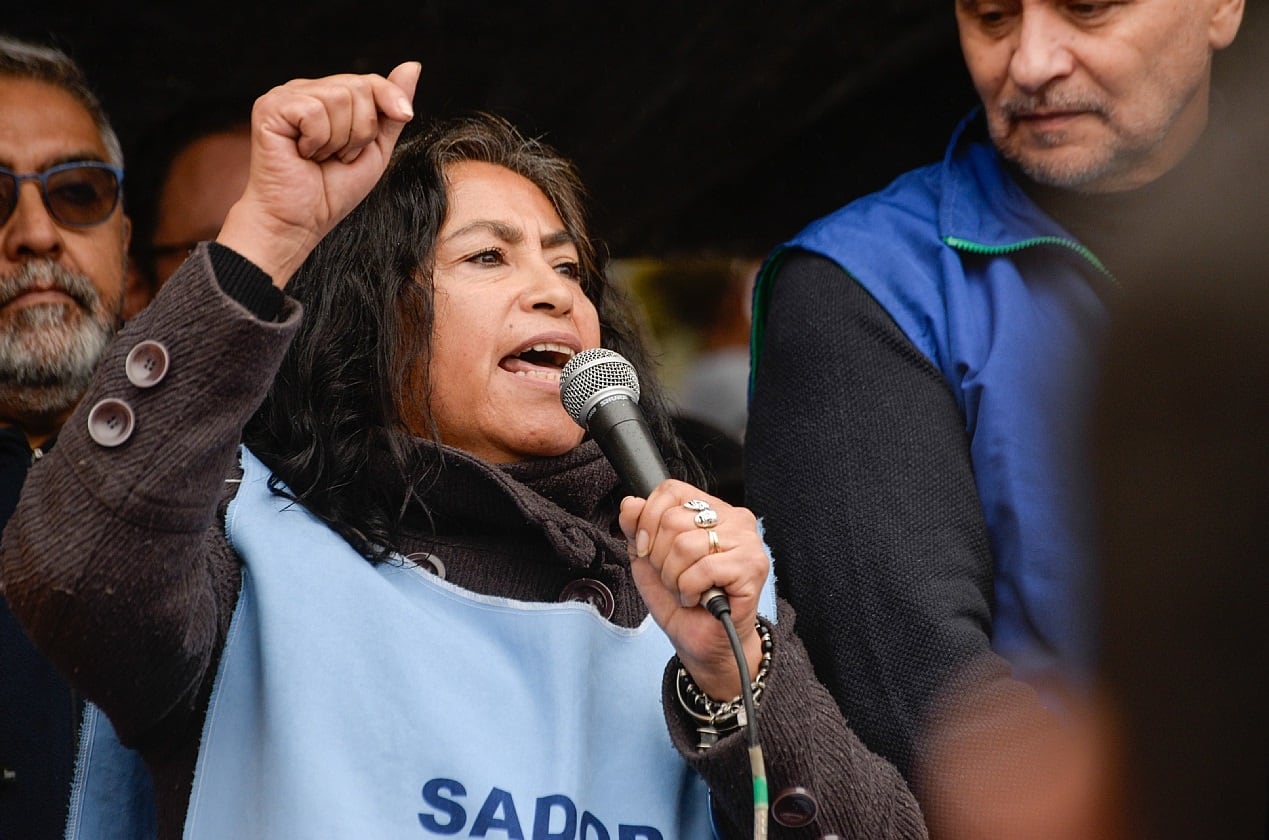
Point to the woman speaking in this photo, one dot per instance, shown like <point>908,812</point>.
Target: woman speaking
<point>334,562</point>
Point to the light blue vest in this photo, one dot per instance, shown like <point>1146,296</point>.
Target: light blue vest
<point>363,701</point>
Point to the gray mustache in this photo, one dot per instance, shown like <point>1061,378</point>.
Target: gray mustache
<point>33,275</point>
<point>1050,100</point>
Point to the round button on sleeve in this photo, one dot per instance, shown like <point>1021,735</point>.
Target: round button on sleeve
<point>110,422</point>
<point>146,364</point>
<point>794,807</point>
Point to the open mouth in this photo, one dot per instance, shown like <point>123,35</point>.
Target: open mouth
<point>543,361</point>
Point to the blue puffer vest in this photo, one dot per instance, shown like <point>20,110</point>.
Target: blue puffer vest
<point>1006,304</point>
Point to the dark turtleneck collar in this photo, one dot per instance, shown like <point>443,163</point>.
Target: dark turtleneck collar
<point>1124,228</point>
<point>571,499</point>
<point>581,481</point>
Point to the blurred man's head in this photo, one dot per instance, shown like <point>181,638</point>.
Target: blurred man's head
<point>64,236</point>
<point>1095,96</point>
<point>188,171</point>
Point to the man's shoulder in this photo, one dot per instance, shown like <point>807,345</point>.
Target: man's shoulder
<point>898,222</point>
<point>914,193</point>
<point>908,209</point>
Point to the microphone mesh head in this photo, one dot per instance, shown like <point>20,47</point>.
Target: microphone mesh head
<point>593,376</point>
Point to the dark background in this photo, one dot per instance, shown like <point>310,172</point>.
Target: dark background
<point>699,127</point>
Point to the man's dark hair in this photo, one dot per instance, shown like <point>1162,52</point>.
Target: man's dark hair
<point>332,427</point>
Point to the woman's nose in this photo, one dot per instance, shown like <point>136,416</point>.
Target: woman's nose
<point>549,290</point>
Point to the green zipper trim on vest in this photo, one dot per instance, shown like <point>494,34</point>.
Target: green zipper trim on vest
<point>1001,250</point>
<point>758,319</point>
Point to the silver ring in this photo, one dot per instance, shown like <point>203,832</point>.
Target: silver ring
<point>696,504</point>
<point>714,546</point>
<point>707,518</point>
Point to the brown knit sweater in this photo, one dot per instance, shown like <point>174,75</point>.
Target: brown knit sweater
<point>117,564</point>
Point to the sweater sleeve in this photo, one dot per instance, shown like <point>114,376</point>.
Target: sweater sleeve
<point>858,461</point>
<point>108,560</point>
<point>806,745</point>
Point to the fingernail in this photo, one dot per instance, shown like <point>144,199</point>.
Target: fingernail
<point>642,544</point>
<point>405,106</point>
<point>687,602</point>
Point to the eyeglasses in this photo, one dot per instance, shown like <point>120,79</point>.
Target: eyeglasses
<point>79,194</point>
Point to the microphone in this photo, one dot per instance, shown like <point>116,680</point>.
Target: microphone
<point>600,391</point>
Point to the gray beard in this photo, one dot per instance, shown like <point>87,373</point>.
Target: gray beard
<point>1117,159</point>
<point>48,352</point>
<point>1078,177</point>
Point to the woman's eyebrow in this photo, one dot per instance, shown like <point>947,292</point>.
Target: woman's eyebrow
<point>504,232</point>
<point>560,237</point>
<point>511,234</point>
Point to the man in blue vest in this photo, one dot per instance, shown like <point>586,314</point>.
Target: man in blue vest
<point>63,240</point>
<point>925,359</point>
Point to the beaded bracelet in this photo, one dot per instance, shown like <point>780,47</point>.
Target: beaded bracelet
<point>720,718</point>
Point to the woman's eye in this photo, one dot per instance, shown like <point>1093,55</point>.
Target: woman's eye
<point>492,256</point>
<point>569,269</point>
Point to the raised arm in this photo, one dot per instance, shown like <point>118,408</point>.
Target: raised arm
<point>113,560</point>
<point>317,148</point>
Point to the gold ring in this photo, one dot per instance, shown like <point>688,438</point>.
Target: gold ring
<point>714,547</point>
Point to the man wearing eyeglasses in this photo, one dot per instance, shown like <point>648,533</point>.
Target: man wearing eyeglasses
<point>62,277</point>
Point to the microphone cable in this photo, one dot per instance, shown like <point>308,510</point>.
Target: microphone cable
<point>716,602</point>
<point>600,391</point>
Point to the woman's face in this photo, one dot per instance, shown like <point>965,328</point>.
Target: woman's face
<point>510,312</point>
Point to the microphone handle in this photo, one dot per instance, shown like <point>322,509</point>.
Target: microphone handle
<point>622,432</point>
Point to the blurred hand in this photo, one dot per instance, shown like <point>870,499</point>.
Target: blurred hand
<point>993,769</point>
<point>318,146</point>
<point>673,566</point>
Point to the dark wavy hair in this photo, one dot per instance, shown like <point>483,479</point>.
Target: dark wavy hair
<point>333,425</point>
